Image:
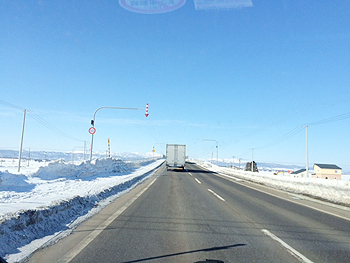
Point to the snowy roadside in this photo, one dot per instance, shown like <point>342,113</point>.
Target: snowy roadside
<point>334,191</point>
<point>50,202</point>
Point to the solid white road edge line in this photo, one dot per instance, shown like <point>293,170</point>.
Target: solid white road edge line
<point>295,201</point>
<point>288,247</point>
<point>87,240</point>
<point>234,178</point>
<point>197,180</point>
<point>218,196</point>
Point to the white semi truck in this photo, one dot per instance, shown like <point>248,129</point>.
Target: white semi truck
<point>175,156</point>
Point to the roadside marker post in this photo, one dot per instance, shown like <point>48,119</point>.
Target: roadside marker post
<point>146,110</point>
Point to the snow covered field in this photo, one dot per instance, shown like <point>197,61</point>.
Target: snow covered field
<point>48,199</point>
<point>334,191</point>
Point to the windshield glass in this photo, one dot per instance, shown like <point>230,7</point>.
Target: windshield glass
<point>104,88</point>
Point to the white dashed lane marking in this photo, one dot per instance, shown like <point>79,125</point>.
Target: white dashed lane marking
<point>197,180</point>
<point>218,196</point>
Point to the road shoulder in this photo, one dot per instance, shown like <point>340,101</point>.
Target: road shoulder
<point>66,246</point>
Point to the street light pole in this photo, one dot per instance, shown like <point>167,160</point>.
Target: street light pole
<point>115,108</point>
<point>217,149</point>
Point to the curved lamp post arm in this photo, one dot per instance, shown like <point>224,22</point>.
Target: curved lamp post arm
<point>115,108</point>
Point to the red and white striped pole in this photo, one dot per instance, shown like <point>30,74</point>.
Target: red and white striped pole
<point>146,110</point>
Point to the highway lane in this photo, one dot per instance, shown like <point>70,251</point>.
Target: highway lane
<point>196,215</point>
<point>319,236</point>
<point>179,220</point>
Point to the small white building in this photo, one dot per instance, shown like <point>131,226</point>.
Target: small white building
<point>300,173</point>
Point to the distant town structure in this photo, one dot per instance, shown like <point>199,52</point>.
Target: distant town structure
<point>327,171</point>
<point>300,173</point>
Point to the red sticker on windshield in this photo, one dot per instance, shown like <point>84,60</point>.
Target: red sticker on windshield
<point>151,6</point>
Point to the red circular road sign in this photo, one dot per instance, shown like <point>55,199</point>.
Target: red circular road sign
<point>92,130</point>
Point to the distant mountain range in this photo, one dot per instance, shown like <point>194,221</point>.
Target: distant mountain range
<point>69,156</point>
<point>79,156</point>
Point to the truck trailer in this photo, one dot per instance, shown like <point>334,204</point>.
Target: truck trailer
<point>175,156</point>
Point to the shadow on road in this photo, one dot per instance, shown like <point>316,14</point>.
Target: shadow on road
<point>188,252</point>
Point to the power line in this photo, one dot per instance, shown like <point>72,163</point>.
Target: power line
<point>11,105</point>
<point>298,129</point>
<point>40,120</point>
<point>51,127</point>
<point>332,119</point>
<point>285,137</point>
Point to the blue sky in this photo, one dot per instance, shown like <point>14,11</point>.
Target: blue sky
<point>243,77</point>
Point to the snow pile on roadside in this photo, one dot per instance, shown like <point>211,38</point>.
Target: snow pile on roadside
<point>12,182</point>
<point>99,167</point>
<point>52,198</point>
<point>334,191</point>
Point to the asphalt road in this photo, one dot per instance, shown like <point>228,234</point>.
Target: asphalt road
<point>195,215</point>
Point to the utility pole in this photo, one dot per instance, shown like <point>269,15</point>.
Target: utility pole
<point>20,149</point>
<point>233,159</point>
<point>84,149</point>
<point>307,152</point>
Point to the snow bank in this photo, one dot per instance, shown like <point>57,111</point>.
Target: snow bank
<point>13,182</point>
<point>51,199</point>
<point>61,169</point>
<point>334,191</point>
